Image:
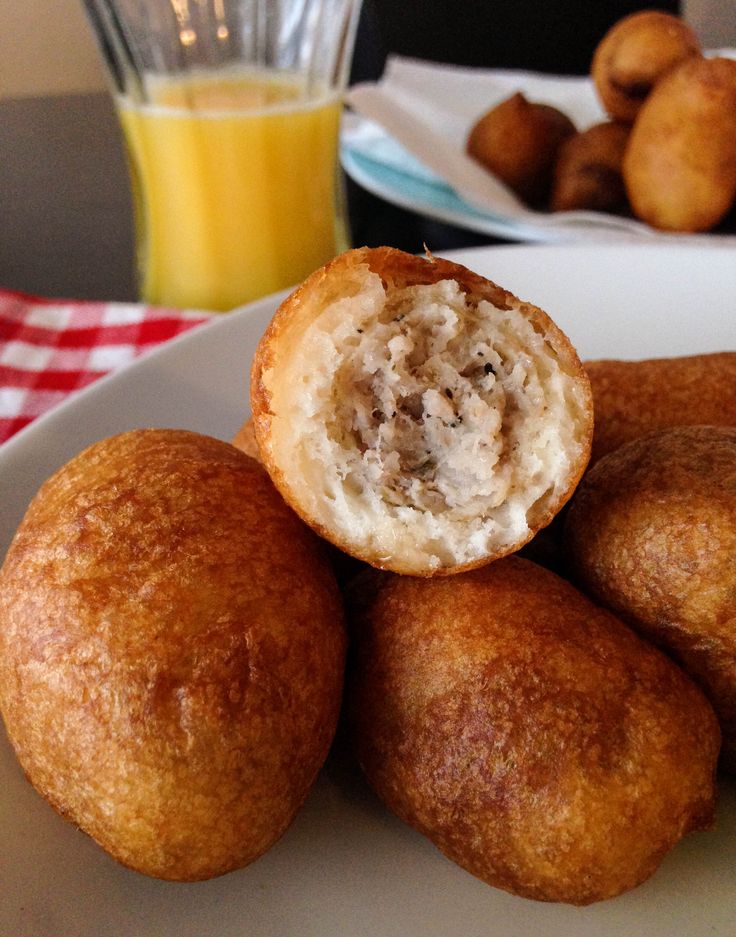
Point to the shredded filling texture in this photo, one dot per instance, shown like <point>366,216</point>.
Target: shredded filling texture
<point>431,411</point>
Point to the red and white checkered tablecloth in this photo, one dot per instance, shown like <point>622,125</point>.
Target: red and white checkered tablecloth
<point>51,348</point>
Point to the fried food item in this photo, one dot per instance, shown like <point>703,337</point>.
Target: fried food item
<point>680,164</point>
<point>587,174</point>
<point>518,141</point>
<point>651,534</point>
<point>344,566</point>
<point>416,415</point>
<point>171,652</point>
<point>537,741</point>
<point>245,440</point>
<point>633,398</point>
<point>635,54</point>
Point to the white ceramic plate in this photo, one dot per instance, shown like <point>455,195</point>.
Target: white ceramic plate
<point>347,868</point>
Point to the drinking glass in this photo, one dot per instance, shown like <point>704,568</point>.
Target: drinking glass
<point>230,111</point>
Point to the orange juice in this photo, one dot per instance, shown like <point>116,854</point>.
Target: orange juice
<point>235,184</point>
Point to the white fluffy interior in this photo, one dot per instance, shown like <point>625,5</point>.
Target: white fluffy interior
<point>424,426</point>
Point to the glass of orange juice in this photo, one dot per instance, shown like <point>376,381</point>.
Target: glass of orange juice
<point>230,111</point>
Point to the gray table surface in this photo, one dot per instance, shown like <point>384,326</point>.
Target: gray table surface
<point>65,211</point>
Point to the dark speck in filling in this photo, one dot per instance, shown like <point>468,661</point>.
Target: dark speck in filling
<point>412,406</point>
<point>423,468</point>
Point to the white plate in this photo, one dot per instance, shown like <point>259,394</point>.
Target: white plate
<point>346,868</point>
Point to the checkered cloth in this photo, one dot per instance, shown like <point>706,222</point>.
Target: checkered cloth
<point>50,349</point>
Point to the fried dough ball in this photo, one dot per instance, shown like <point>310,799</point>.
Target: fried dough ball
<point>537,741</point>
<point>518,141</point>
<point>344,566</point>
<point>171,652</point>
<point>416,415</point>
<point>587,174</point>
<point>245,440</point>
<point>634,55</point>
<point>680,164</point>
<point>633,398</point>
<point>651,534</point>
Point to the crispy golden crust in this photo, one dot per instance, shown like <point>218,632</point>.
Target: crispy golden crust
<point>634,55</point>
<point>171,651</point>
<point>518,141</point>
<point>632,398</point>
<point>651,533</point>
<point>680,164</point>
<point>344,566</point>
<point>529,734</point>
<point>245,440</point>
<point>397,269</point>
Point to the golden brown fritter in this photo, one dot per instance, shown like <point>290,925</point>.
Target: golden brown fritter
<point>171,652</point>
<point>518,141</point>
<point>345,566</point>
<point>536,740</point>
<point>635,54</point>
<point>632,398</point>
<point>651,533</point>
<point>680,163</point>
<point>417,415</point>
<point>245,440</point>
<point>587,175</point>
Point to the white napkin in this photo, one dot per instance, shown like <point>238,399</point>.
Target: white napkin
<point>416,120</point>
